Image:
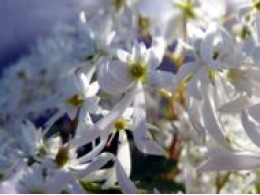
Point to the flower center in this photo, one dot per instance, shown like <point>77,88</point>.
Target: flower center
<point>118,4</point>
<point>76,100</point>
<point>216,55</point>
<point>138,71</point>
<point>62,157</point>
<point>120,124</point>
<point>245,32</point>
<point>234,75</point>
<point>187,8</point>
<point>41,151</point>
<point>37,191</point>
<point>143,23</point>
<point>257,5</point>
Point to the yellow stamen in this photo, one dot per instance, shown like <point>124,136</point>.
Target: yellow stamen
<point>75,100</point>
<point>120,124</point>
<point>62,157</point>
<point>138,71</point>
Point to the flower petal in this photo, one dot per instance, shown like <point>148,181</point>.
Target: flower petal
<point>254,112</point>
<point>123,153</point>
<point>235,106</point>
<point>142,138</point>
<point>184,71</point>
<point>113,77</point>
<point>211,123</point>
<point>251,129</point>
<point>97,163</point>
<point>125,183</point>
<point>230,161</point>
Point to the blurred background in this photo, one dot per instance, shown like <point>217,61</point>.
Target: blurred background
<point>22,22</point>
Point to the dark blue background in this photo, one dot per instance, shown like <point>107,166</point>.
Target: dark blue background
<point>22,22</point>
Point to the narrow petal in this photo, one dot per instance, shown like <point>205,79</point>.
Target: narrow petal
<point>86,137</point>
<point>230,161</point>
<point>93,153</point>
<point>125,183</point>
<point>235,106</point>
<point>97,163</point>
<point>257,21</point>
<point>184,71</point>
<point>254,112</point>
<point>251,129</point>
<point>211,123</point>
<point>156,52</point>
<point>142,138</point>
<point>84,78</point>
<point>194,116</point>
<point>193,89</point>
<point>123,153</point>
<point>92,89</point>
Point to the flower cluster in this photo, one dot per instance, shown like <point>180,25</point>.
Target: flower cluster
<point>172,78</point>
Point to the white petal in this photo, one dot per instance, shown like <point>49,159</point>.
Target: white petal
<point>125,183</point>
<point>257,21</point>
<point>98,176</point>
<point>58,182</point>
<point>184,71</point>
<point>194,116</point>
<point>230,161</point>
<point>193,89</point>
<point>254,112</point>
<point>114,77</point>
<point>156,52</point>
<point>92,89</point>
<point>123,153</point>
<point>142,138</point>
<point>139,52</point>
<point>84,78</point>
<point>94,152</point>
<point>118,109</point>
<point>97,163</point>
<point>211,123</point>
<point>162,79</point>
<point>8,187</point>
<point>235,106</point>
<point>251,129</point>
<point>90,106</point>
<point>123,56</point>
<point>86,137</point>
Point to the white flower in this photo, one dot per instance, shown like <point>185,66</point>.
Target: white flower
<point>83,96</point>
<point>131,75</point>
<point>41,180</point>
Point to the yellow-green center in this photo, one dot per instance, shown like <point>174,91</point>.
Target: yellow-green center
<point>118,4</point>
<point>62,157</point>
<point>216,55</point>
<point>76,100</point>
<point>257,4</point>
<point>120,124</point>
<point>143,23</point>
<point>41,151</point>
<point>37,191</point>
<point>245,32</point>
<point>234,75</point>
<point>187,8</point>
<point>212,75</point>
<point>138,72</point>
